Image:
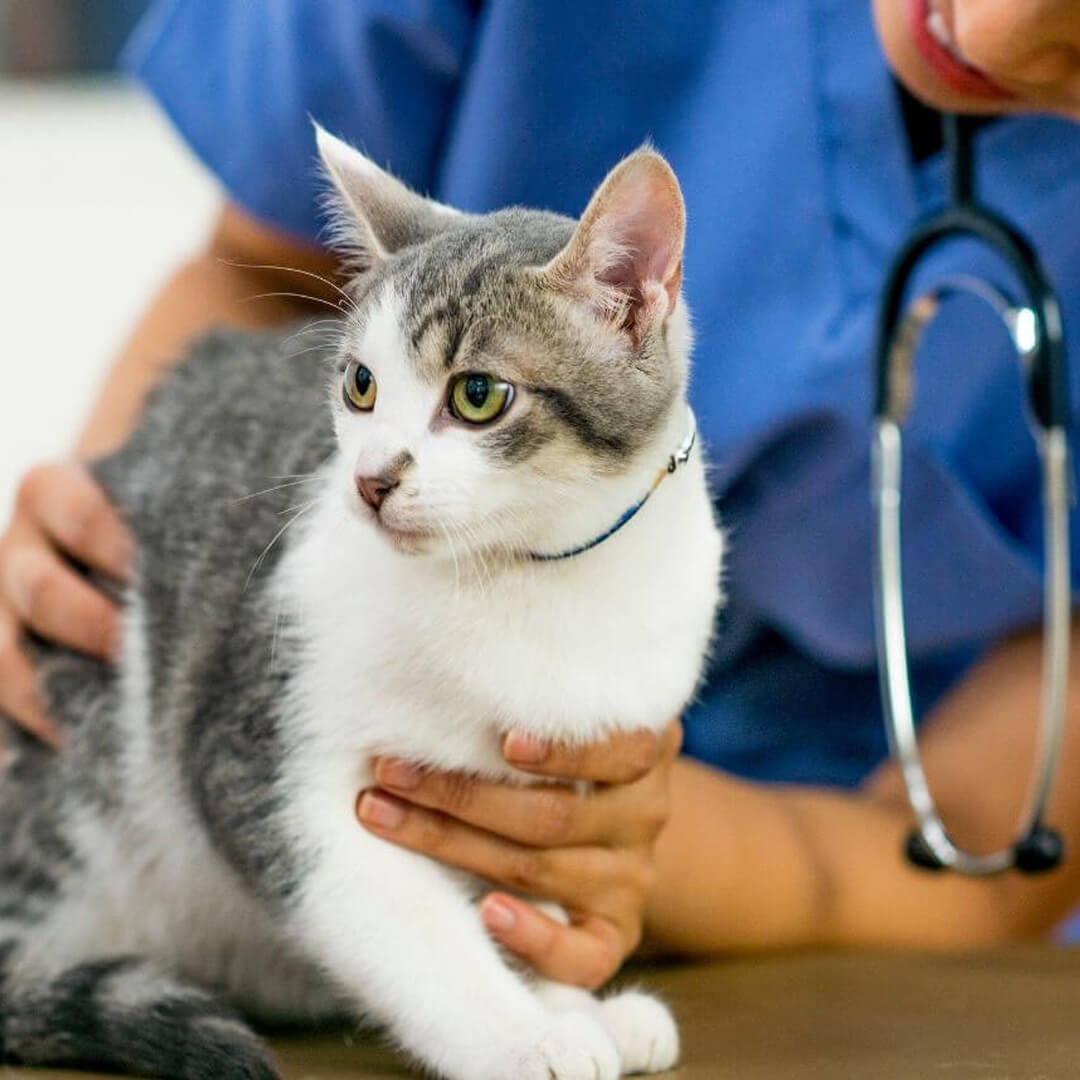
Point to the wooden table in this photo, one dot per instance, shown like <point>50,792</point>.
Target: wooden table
<point>1006,1015</point>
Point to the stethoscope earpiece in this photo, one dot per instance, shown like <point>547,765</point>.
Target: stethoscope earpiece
<point>920,854</point>
<point>1041,850</point>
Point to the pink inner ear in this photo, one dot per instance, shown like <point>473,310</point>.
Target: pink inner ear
<point>642,220</point>
<point>649,248</point>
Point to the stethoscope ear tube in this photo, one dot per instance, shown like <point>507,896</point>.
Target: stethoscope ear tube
<point>1035,329</point>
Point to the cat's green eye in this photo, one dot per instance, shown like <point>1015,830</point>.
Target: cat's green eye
<point>478,399</point>
<point>359,387</point>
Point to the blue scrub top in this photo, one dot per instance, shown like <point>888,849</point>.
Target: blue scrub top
<point>784,126</point>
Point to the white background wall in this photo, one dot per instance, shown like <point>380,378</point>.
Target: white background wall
<point>98,201</point>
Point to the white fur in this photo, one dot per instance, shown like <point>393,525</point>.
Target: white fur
<point>409,654</point>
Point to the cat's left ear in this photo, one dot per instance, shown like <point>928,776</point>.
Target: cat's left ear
<point>625,257</point>
<point>380,215</point>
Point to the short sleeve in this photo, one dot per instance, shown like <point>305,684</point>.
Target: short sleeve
<point>243,81</point>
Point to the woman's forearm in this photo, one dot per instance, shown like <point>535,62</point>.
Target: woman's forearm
<point>792,867</point>
<point>737,867</point>
<point>752,866</point>
<point>219,287</point>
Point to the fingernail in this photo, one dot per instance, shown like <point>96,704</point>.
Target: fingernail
<point>17,581</point>
<point>498,915</point>
<point>38,722</point>
<point>125,559</point>
<point>116,641</point>
<point>524,749</point>
<point>393,773</point>
<point>50,734</point>
<point>380,811</point>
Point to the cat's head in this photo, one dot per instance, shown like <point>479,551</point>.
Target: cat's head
<point>510,381</point>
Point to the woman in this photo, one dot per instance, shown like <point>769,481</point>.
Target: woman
<point>802,163</point>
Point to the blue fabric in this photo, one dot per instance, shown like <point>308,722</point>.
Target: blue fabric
<point>783,124</point>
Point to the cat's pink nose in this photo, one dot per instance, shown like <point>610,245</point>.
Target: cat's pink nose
<point>374,489</point>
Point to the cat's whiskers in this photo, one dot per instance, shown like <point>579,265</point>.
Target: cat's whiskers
<point>452,529</point>
<point>289,482</point>
<point>513,543</point>
<point>486,555</point>
<point>486,579</point>
<point>299,506</point>
<point>480,552</point>
<point>320,346</point>
<point>314,474</point>
<point>295,270</point>
<point>325,326</point>
<point>303,509</point>
<point>328,334</point>
<point>338,306</point>
<point>453,555</point>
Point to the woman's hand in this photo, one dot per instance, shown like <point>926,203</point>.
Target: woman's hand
<point>61,517</point>
<point>997,55</point>
<point>590,853</point>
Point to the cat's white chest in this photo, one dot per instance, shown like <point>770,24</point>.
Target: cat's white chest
<point>403,657</point>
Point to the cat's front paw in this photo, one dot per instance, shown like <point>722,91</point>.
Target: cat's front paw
<point>571,1046</point>
<point>644,1032</point>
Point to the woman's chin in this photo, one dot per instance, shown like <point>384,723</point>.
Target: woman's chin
<point>928,67</point>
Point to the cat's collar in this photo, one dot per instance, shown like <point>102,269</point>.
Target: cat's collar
<point>680,457</point>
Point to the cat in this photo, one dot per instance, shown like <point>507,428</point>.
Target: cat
<point>496,519</point>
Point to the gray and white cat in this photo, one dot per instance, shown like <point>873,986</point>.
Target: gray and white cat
<point>506,387</point>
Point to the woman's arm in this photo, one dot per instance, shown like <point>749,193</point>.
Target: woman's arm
<point>61,516</point>
<point>749,866</point>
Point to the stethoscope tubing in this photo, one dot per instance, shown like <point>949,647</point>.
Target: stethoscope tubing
<point>893,656</point>
<point>1046,379</point>
<point>1035,329</point>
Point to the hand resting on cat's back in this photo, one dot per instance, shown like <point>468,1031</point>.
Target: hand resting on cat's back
<point>496,519</point>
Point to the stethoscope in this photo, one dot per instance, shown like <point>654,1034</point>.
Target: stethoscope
<point>1034,327</point>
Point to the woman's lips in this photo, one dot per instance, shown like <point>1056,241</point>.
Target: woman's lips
<point>949,68</point>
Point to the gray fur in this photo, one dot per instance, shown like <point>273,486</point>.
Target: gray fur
<point>237,414</point>
<point>472,302</point>
<point>88,1018</point>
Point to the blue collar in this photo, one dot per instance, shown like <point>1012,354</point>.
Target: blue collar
<point>680,457</point>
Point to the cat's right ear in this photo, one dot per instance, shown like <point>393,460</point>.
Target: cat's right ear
<point>376,214</point>
<point>625,257</point>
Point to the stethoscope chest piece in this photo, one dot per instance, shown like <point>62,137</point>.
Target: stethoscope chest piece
<point>1034,327</point>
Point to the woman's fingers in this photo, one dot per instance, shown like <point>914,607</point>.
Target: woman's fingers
<point>590,851</point>
<point>60,514</point>
<point>585,954</point>
<point>57,603</point>
<point>67,505</point>
<point>625,756</point>
<point>19,696</point>
<point>544,815</point>
<point>61,511</point>
<point>572,876</point>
